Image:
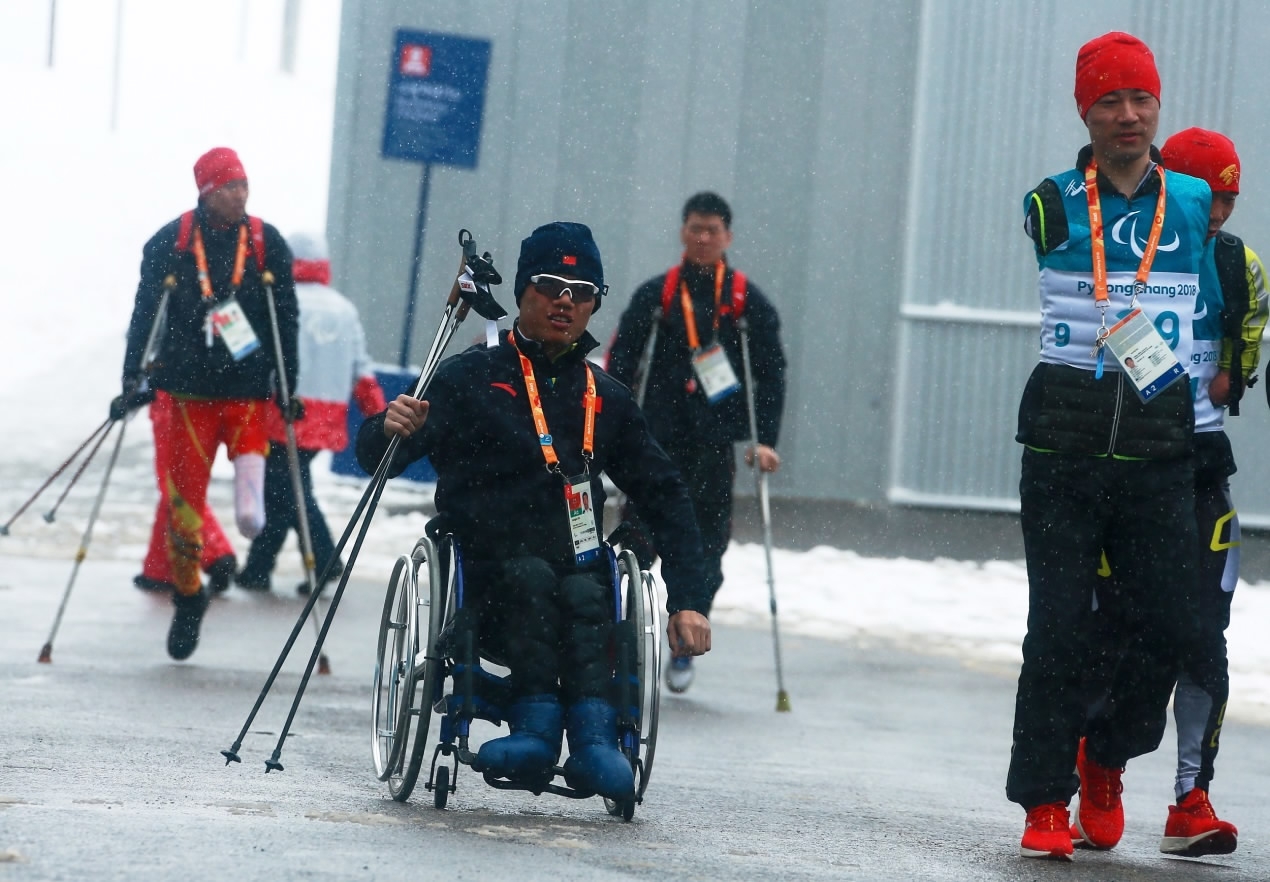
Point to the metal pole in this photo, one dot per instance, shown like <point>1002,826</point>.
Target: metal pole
<point>290,25</point>
<point>4,528</point>
<point>52,28</point>
<point>293,462</point>
<point>46,652</point>
<point>646,359</point>
<point>421,219</point>
<point>114,87</point>
<point>456,309</point>
<point>765,514</point>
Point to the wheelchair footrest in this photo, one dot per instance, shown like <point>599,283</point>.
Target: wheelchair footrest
<point>537,786</point>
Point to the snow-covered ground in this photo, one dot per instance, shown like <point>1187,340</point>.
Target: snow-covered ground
<point>81,199</point>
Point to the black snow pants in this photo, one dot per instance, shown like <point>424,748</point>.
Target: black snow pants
<point>709,471</point>
<point>552,628</point>
<point>1142,514</point>
<point>1203,686</point>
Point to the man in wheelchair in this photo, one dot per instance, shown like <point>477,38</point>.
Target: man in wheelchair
<point>519,434</point>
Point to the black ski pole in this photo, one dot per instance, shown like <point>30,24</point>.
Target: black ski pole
<point>471,289</point>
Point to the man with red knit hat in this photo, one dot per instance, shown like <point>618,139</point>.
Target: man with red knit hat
<point>1107,424</point>
<point>203,301</point>
<point>1227,347</point>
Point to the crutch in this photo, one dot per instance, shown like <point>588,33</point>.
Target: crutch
<point>51,514</point>
<point>471,289</point>
<point>641,390</point>
<point>100,430</point>
<point>46,652</point>
<point>765,512</point>
<point>293,461</point>
<point>646,358</point>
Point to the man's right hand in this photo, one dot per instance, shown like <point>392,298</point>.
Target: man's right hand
<point>405,416</point>
<point>689,633</point>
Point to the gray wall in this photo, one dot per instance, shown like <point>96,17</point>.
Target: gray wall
<point>612,113</point>
<point>875,154</point>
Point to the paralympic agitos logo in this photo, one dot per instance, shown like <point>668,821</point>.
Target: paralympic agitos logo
<point>1117,235</point>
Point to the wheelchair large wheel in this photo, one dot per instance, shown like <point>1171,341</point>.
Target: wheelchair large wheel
<point>394,681</point>
<point>430,610</point>
<point>640,607</point>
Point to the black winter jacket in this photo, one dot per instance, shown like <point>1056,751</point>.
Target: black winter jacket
<point>185,364</point>
<point>677,411</point>
<point>492,482</point>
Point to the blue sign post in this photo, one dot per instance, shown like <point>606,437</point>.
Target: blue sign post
<point>436,97</point>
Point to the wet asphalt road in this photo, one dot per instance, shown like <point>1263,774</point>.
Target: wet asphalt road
<point>890,767</point>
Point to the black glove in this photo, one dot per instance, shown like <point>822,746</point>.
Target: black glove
<point>292,411</point>
<point>129,401</point>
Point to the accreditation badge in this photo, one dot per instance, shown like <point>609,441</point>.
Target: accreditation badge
<point>715,373</point>
<point>1144,355</point>
<point>582,525</point>
<point>231,325</point>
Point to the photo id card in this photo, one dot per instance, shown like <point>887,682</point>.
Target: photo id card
<point>715,373</point>
<point>231,325</point>
<point>582,523</point>
<point>1144,355</point>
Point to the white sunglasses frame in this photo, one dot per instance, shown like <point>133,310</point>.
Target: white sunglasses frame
<point>567,286</point>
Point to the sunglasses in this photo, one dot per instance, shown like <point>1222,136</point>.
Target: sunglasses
<point>555,287</point>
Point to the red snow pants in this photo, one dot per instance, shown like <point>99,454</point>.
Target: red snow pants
<point>195,428</point>
<point>215,543</point>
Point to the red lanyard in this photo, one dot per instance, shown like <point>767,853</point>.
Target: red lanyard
<point>1101,298</point>
<point>540,419</point>
<point>690,319</point>
<point>200,260</point>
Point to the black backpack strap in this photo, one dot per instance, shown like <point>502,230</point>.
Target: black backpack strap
<point>1232,274</point>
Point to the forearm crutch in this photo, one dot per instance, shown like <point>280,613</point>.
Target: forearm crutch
<point>765,513</point>
<point>293,463</point>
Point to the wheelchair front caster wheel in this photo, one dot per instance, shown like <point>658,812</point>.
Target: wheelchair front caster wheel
<point>620,808</point>
<point>441,790</point>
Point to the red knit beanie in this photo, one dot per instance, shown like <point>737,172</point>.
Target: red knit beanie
<point>216,168</point>
<point>1209,156</point>
<point>1111,62</point>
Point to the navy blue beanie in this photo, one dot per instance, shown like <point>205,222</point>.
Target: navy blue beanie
<point>560,249</point>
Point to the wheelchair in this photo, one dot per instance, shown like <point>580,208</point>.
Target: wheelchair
<point>429,664</point>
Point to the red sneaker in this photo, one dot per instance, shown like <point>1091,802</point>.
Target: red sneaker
<point>1100,815</point>
<point>1194,830</point>
<point>1047,833</point>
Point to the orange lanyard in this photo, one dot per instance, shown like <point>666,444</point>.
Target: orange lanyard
<point>1101,298</point>
<point>200,260</point>
<point>540,418</point>
<point>690,319</point>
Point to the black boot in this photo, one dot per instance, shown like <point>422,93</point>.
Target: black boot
<point>183,635</point>
<point>145,583</point>
<point>220,572</point>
